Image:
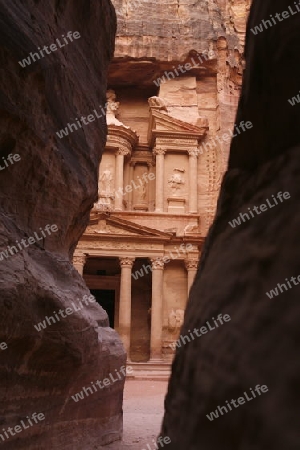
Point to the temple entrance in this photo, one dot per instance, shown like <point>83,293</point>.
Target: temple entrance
<point>102,276</point>
<point>141,310</point>
<point>106,299</point>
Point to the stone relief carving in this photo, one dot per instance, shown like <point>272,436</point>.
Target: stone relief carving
<point>211,53</point>
<point>157,102</point>
<point>191,264</point>
<point>79,259</point>
<point>104,228</point>
<point>175,320</point>
<point>194,152</point>
<point>123,151</point>
<point>126,262</point>
<point>106,179</point>
<point>112,108</point>
<point>159,151</point>
<point>191,228</point>
<point>176,180</point>
<point>117,245</point>
<point>157,263</point>
<point>142,191</point>
<point>181,142</point>
<point>105,190</point>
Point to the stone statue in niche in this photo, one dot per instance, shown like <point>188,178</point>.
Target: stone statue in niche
<point>143,191</point>
<point>112,108</point>
<point>105,190</point>
<point>158,103</point>
<point>106,181</point>
<point>175,320</point>
<point>211,53</point>
<point>176,180</point>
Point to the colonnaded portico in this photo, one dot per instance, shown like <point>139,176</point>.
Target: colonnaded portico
<point>150,281</point>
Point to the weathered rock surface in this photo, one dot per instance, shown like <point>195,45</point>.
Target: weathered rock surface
<point>260,345</point>
<point>54,182</point>
<point>154,37</point>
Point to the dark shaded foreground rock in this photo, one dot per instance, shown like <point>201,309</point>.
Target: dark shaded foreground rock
<point>260,345</point>
<point>53,182</point>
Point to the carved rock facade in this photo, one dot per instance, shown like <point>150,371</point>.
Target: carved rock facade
<point>53,183</point>
<point>170,100</point>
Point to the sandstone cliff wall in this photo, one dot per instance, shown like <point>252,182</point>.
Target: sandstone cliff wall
<point>241,264</point>
<point>53,182</point>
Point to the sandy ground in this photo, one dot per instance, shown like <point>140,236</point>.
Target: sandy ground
<point>143,413</point>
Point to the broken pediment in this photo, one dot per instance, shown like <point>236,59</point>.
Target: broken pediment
<point>163,124</point>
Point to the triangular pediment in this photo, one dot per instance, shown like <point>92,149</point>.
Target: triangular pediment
<point>164,121</point>
<point>108,224</point>
<point>163,124</point>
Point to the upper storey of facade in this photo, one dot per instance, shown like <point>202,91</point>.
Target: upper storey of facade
<point>149,169</point>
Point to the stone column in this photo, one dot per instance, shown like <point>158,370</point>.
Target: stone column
<point>193,181</point>
<point>160,167</point>
<point>125,302</point>
<point>130,194</point>
<point>151,199</point>
<point>156,310</point>
<point>191,267</point>
<point>119,185</point>
<point>79,263</point>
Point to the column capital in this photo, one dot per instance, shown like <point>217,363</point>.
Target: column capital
<point>193,152</point>
<point>126,262</point>
<point>79,259</point>
<point>122,151</point>
<point>191,264</point>
<point>157,263</point>
<point>159,151</point>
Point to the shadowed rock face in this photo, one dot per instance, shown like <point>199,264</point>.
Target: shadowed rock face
<point>260,345</point>
<point>54,181</point>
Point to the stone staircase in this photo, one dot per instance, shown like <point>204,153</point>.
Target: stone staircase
<point>152,370</point>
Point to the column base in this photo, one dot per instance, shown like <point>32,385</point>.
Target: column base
<point>156,360</point>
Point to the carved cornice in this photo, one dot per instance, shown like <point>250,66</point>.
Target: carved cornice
<point>179,141</point>
<point>121,141</point>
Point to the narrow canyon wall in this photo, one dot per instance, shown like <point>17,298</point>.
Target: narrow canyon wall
<point>44,180</point>
<point>154,37</point>
<point>242,263</point>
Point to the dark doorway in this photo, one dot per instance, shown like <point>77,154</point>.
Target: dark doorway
<point>141,311</point>
<point>106,299</point>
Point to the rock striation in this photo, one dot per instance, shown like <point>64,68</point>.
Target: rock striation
<point>156,37</point>
<point>48,180</point>
<point>241,264</point>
